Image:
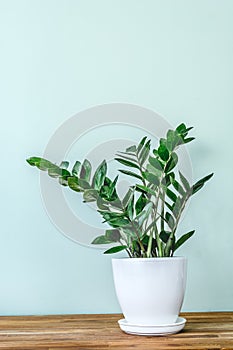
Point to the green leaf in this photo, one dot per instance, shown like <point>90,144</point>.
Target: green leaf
<point>131,149</point>
<point>102,204</point>
<point>172,139</point>
<point>177,206</point>
<point>163,152</point>
<point>151,178</point>
<point>170,207</point>
<point>63,181</point>
<point>164,236</point>
<point>127,163</point>
<point>183,239</point>
<point>170,221</point>
<point>112,189</point>
<point>40,163</point>
<point>85,172</point>
<point>118,222</point>
<point>199,184</point>
<point>84,184</point>
<point>64,165</point>
<point>130,173</point>
<point>99,176</point>
<point>130,208</point>
<point>169,248</point>
<point>131,159</point>
<point>115,249</point>
<point>90,195</point>
<point>171,163</point>
<point>74,184</point>
<point>181,128</point>
<point>54,171</point>
<point>113,235</point>
<point>101,240</point>
<point>144,153</point>
<point>178,187</point>
<point>141,203</point>
<point>171,195</point>
<point>185,182</point>
<point>141,144</point>
<point>127,197</point>
<point>189,139</point>
<point>145,189</point>
<point>76,168</point>
<point>167,179</point>
<point>143,215</point>
<point>156,163</point>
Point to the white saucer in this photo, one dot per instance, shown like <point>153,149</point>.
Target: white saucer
<point>151,330</point>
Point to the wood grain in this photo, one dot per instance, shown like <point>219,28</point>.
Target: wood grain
<point>212,331</point>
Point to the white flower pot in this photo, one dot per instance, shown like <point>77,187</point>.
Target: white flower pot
<point>150,291</point>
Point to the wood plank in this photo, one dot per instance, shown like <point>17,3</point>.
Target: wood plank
<point>212,331</point>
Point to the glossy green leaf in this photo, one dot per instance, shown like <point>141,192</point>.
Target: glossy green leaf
<point>130,208</point>
<point>178,187</point>
<point>171,163</point>
<point>199,184</point>
<point>170,220</point>
<point>76,168</point>
<point>185,182</point>
<point>169,247</point>
<point>131,149</point>
<point>127,163</point>
<point>118,222</point>
<point>113,235</point>
<point>85,172</point>
<point>54,172</point>
<point>151,178</point>
<point>127,197</point>
<point>63,181</point>
<point>99,176</point>
<point>170,207</point>
<point>183,239</point>
<point>90,195</point>
<point>164,236</point>
<point>145,189</point>
<point>141,144</point>
<point>74,184</point>
<point>177,207</point>
<point>127,157</point>
<point>115,249</point>
<point>84,184</point>
<point>141,203</point>
<point>102,204</point>
<point>171,195</point>
<point>143,215</point>
<point>40,163</point>
<point>181,128</point>
<point>101,240</point>
<point>156,163</point>
<point>130,173</point>
<point>64,165</point>
<point>143,155</point>
<point>189,139</point>
<point>163,152</point>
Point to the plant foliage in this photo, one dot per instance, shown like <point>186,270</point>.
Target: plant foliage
<point>144,222</point>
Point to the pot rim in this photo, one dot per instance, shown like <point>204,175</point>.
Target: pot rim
<point>152,259</point>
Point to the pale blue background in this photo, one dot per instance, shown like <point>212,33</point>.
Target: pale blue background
<point>61,56</point>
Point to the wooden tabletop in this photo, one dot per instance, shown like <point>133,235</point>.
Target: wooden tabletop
<point>70,332</point>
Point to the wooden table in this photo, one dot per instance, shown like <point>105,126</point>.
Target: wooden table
<point>70,332</point>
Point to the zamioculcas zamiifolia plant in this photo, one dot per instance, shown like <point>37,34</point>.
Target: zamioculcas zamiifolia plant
<point>144,222</point>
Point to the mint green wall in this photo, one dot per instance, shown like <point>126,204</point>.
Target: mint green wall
<point>61,56</point>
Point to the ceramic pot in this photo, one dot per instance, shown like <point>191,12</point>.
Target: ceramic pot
<point>150,291</point>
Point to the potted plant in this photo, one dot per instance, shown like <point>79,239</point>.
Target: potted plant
<point>150,283</point>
